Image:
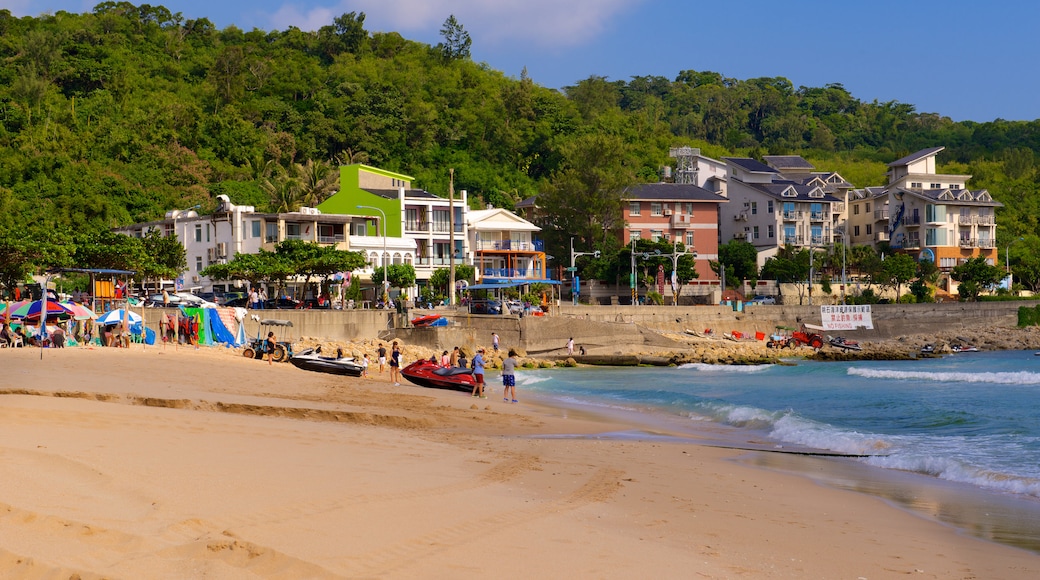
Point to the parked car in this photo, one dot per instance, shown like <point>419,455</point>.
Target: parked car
<point>485,307</point>
<point>281,304</point>
<point>311,303</point>
<point>762,300</point>
<point>237,302</point>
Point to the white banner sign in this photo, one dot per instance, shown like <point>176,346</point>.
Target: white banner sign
<point>846,317</point>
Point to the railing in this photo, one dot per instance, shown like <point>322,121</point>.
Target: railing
<point>965,220</point>
<point>986,243</point>
<point>681,220</point>
<point>966,243</point>
<point>445,261</point>
<point>792,240</point>
<point>984,220</point>
<point>417,226</point>
<point>512,273</point>
<point>912,243</point>
<point>912,220</point>
<point>881,214</point>
<point>511,245</point>
<point>881,236</point>
<point>816,216</point>
<point>837,207</point>
<point>792,215</point>
<point>441,227</point>
<point>332,239</point>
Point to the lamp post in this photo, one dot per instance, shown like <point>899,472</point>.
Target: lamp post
<point>178,235</point>
<point>675,268</point>
<point>843,282</point>
<point>574,271</point>
<point>382,259</point>
<point>1007,263</point>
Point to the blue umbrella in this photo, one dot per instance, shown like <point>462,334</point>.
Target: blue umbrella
<point>116,316</point>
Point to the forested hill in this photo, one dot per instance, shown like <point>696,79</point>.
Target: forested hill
<point>117,115</point>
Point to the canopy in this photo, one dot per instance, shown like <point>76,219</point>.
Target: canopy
<point>511,284</point>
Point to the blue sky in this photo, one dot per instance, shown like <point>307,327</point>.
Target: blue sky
<point>964,60</point>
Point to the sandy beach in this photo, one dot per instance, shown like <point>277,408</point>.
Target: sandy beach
<point>183,463</point>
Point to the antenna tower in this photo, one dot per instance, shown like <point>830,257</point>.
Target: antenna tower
<point>686,166</point>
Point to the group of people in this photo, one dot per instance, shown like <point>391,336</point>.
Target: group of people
<point>257,298</point>
<point>457,358</point>
<point>26,335</point>
<point>395,362</point>
<point>179,329</point>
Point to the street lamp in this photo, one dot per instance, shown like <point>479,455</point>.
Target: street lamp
<point>1007,263</point>
<point>382,259</point>
<point>675,268</point>
<point>843,282</point>
<point>184,240</point>
<point>574,270</point>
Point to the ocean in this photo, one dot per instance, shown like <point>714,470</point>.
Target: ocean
<point>956,438</point>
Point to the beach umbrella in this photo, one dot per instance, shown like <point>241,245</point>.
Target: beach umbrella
<point>12,307</point>
<point>116,316</point>
<point>51,309</point>
<point>79,311</point>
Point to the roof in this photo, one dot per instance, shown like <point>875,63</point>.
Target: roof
<point>783,162</point>
<point>915,156</point>
<point>512,284</point>
<point>498,219</point>
<point>671,192</point>
<point>802,191</point>
<point>748,164</point>
<point>979,197</point>
<point>529,202</point>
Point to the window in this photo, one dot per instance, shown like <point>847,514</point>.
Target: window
<point>866,207</point>
<point>207,232</point>
<point>633,208</point>
<point>272,232</point>
<point>817,234</point>
<point>934,237</point>
<point>411,219</point>
<point>198,232</point>
<point>789,210</point>
<point>947,262</point>
<point>255,224</point>
<point>689,240</point>
<point>769,207</point>
<point>633,235</point>
<point>441,219</point>
<point>870,229</point>
<point>915,184</point>
<point>936,186</point>
<point>754,209</point>
<point>656,235</point>
<point>198,263</point>
<point>771,231</point>
<point>755,229</point>
<point>855,231</point>
<point>954,186</point>
<point>935,213</point>
<point>358,229</point>
<point>655,208</point>
<point>168,230</point>
<point>293,232</point>
<point>789,235</point>
<point>855,210</point>
<point>689,208</point>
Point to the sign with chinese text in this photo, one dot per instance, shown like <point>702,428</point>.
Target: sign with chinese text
<point>846,317</point>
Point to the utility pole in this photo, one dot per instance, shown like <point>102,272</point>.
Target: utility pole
<point>574,271</point>
<point>451,236</point>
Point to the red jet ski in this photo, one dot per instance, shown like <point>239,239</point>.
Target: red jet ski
<point>430,374</point>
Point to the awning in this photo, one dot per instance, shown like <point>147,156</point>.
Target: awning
<point>501,285</point>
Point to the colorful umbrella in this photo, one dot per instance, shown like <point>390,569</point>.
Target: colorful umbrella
<point>80,312</point>
<point>32,311</point>
<point>11,307</point>
<point>116,316</point>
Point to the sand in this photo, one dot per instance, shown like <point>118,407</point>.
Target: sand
<point>177,463</point>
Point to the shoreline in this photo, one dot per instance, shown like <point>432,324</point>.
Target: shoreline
<point>362,478</point>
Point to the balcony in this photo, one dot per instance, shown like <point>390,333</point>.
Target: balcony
<point>792,240</point>
<point>510,245</point>
<point>881,236</point>
<point>334,239</point>
<point>792,215</point>
<point>438,262</point>
<point>985,220</point>
<point>837,208</point>
<point>911,221</point>
<point>816,216</point>
<point>986,243</point>
<point>966,243</point>
<point>418,226</point>
<point>881,215</point>
<point>965,220</point>
<point>681,221</point>
<point>912,243</point>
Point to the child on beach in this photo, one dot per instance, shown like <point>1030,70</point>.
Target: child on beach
<point>364,365</point>
<point>509,377</point>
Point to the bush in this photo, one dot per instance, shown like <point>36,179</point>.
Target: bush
<point>654,298</point>
<point>1028,316</point>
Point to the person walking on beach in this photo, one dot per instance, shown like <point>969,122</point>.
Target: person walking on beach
<point>395,365</point>
<point>382,357</point>
<point>364,365</point>
<point>478,374</point>
<point>494,341</point>
<point>509,377</point>
<point>270,347</point>
<point>570,346</point>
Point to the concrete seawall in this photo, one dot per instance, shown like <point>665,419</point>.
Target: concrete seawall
<point>622,328</point>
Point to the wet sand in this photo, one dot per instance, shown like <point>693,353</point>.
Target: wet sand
<point>151,463</point>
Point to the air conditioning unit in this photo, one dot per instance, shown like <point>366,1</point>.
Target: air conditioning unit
<point>667,212</point>
<point>211,254</point>
<point>195,278</point>
<point>222,250</point>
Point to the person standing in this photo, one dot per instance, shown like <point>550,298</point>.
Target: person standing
<point>494,341</point>
<point>395,365</point>
<point>254,299</point>
<point>263,298</point>
<point>270,347</point>
<point>509,377</point>
<point>453,361</point>
<point>445,360</point>
<point>382,357</point>
<point>478,374</point>
<point>364,365</point>
<point>570,346</point>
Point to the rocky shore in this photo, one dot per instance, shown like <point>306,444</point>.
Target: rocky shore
<point>695,349</point>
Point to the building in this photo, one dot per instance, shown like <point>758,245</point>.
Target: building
<point>867,223</point>
<point>770,210</point>
<point>240,229</point>
<point>675,212</point>
<point>418,223</point>
<point>503,249</point>
<point>934,216</point>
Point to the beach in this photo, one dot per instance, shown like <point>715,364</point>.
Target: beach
<point>184,463</point>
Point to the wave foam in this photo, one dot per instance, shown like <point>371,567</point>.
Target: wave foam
<point>1015,378</point>
<point>725,368</point>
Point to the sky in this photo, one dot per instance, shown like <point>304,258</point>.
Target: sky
<point>962,59</point>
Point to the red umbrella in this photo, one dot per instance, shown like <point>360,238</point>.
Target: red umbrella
<point>31,312</point>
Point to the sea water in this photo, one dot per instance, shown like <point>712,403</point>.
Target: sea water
<point>971,419</point>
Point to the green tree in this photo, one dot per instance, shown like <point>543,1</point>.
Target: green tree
<point>456,43</point>
<point>789,266</point>
<point>974,276</point>
<point>898,269</point>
